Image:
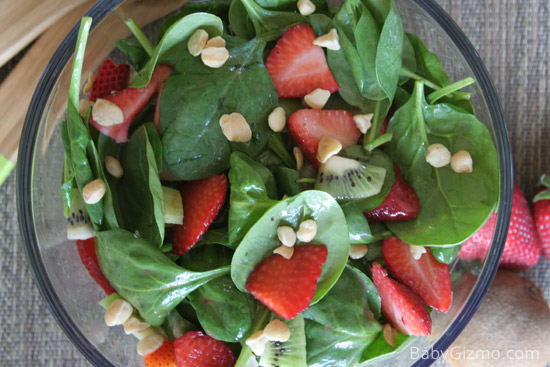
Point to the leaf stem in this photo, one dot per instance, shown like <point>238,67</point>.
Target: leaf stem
<point>76,74</point>
<point>408,73</point>
<point>306,180</point>
<point>141,37</point>
<point>370,136</point>
<point>418,104</point>
<point>259,323</point>
<point>456,86</point>
<point>382,139</point>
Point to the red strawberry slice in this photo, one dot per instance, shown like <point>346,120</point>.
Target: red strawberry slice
<point>427,277</point>
<point>401,307</point>
<point>287,287</point>
<point>165,356</point>
<point>400,204</point>
<point>308,127</point>
<point>131,101</point>
<point>88,256</point>
<point>110,77</point>
<point>196,349</point>
<point>297,66</point>
<point>541,213</point>
<point>202,201</point>
<point>522,249</point>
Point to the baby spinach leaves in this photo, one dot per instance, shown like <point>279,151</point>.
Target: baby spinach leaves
<point>261,239</point>
<point>146,277</point>
<point>196,96</point>
<point>359,230</point>
<point>452,206</point>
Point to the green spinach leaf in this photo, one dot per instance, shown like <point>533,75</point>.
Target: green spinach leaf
<point>286,181</point>
<point>446,255</point>
<point>261,239</point>
<point>452,206</point>
<point>134,52</point>
<point>146,277</point>
<point>196,96</point>
<point>380,350</point>
<point>359,230</point>
<point>240,23</point>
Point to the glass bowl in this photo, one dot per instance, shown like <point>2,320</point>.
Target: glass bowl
<point>64,283</point>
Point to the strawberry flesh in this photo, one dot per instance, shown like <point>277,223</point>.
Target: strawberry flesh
<point>522,249</point>
<point>427,277</point>
<point>88,256</point>
<point>131,101</point>
<point>400,204</point>
<point>202,201</point>
<point>110,77</point>
<point>401,307</point>
<point>297,66</point>
<point>541,213</point>
<point>308,127</point>
<point>165,356</point>
<point>196,349</point>
<point>287,287</point>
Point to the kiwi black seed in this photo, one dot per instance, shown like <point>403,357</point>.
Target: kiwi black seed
<point>346,178</point>
<point>291,353</point>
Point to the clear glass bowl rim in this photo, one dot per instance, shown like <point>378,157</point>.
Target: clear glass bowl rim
<point>64,53</point>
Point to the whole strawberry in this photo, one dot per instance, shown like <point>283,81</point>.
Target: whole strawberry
<point>522,249</point>
<point>541,212</point>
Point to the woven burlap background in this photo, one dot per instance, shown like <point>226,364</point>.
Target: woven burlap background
<point>511,36</point>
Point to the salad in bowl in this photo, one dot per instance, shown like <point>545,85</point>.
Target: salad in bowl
<point>273,183</point>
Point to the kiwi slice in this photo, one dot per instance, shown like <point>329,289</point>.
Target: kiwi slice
<point>291,353</point>
<point>79,225</point>
<point>347,179</point>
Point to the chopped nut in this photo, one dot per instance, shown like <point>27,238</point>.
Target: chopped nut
<point>358,251</point>
<point>277,119</point>
<point>286,235</point>
<point>461,162</point>
<point>118,312</point>
<point>299,157</point>
<point>94,191</point>
<point>89,83</point>
<point>83,106</point>
<point>363,122</point>
<point>214,57</point>
<point>197,41</point>
<point>317,99</point>
<point>106,113</point>
<point>390,335</point>
<point>144,333</point>
<point>329,40</point>
<point>113,166</point>
<point>235,128</point>
<point>438,156</point>
<point>307,230</point>
<point>284,251</point>
<point>215,42</point>
<point>306,7</point>
<point>327,148</point>
<point>134,325</point>
<point>277,331</point>
<point>257,342</point>
<point>150,344</point>
<point>417,251</point>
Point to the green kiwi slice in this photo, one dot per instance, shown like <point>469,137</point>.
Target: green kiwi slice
<point>79,225</point>
<point>291,353</point>
<point>347,179</point>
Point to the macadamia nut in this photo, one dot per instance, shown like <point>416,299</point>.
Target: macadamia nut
<point>235,128</point>
<point>461,162</point>
<point>317,99</point>
<point>438,155</point>
<point>330,40</point>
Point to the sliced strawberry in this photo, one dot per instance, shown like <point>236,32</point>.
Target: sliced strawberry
<point>401,307</point>
<point>308,127</point>
<point>522,249</point>
<point>297,66</point>
<point>196,349</point>
<point>427,277</point>
<point>202,201</point>
<point>400,204</point>
<point>541,213</point>
<point>110,77</point>
<point>165,356</point>
<point>88,256</point>
<point>131,101</point>
<point>287,287</point>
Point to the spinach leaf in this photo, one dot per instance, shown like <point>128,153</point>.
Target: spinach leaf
<point>215,236</point>
<point>446,255</point>
<point>452,206</point>
<point>249,198</point>
<point>134,52</point>
<point>67,179</point>
<point>175,325</point>
<point>261,239</point>
<point>224,312</point>
<point>286,181</point>
<point>265,174</point>
<point>346,306</point>
<point>179,32</point>
<point>196,96</point>
<point>359,230</point>
<point>240,23</point>
<point>320,23</point>
<point>380,350</point>
<point>278,146</point>
<point>144,276</point>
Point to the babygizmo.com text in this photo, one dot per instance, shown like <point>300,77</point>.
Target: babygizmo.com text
<point>461,353</point>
